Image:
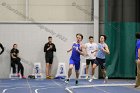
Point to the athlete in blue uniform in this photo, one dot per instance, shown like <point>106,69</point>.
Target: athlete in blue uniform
<point>100,57</point>
<point>77,50</point>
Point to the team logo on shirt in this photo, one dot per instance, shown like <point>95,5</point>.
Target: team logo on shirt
<point>75,47</point>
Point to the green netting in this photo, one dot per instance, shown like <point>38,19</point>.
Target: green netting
<point>121,42</point>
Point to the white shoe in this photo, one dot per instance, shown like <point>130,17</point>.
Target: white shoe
<point>90,80</point>
<point>86,77</point>
<point>106,79</point>
<point>94,77</point>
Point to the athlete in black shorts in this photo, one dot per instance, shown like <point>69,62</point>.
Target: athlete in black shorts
<point>49,48</point>
<point>91,49</point>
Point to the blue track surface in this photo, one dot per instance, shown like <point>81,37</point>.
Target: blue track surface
<point>58,86</point>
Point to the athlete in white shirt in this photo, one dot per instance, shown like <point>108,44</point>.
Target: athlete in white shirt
<point>91,49</point>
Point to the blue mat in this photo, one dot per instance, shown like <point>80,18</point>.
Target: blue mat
<point>59,86</point>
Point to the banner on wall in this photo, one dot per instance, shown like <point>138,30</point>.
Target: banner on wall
<point>37,70</point>
<point>61,71</point>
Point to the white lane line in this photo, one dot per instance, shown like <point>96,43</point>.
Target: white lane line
<point>29,86</point>
<point>4,86</point>
<point>57,83</point>
<point>101,90</point>
<point>98,85</point>
<point>4,90</point>
<point>11,84</point>
<point>63,82</point>
<point>36,90</point>
<point>12,89</point>
<point>101,85</point>
<point>69,91</point>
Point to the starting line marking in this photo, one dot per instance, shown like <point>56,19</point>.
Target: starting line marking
<point>97,85</point>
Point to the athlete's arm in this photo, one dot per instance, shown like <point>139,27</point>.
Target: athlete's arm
<point>86,54</point>
<point>139,53</point>
<point>45,48</point>
<point>54,48</point>
<point>49,48</point>
<point>12,55</point>
<point>17,54</point>
<point>94,51</point>
<point>83,50</point>
<point>106,49</point>
<point>69,50</point>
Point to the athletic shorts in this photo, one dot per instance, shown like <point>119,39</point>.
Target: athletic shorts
<point>88,61</point>
<point>75,63</point>
<point>100,62</point>
<point>49,60</point>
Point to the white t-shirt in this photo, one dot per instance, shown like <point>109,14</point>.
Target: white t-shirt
<point>91,47</point>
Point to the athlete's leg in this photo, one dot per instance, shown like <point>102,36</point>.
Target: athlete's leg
<point>77,76</point>
<point>104,72</point>
<point>17,61</point>
<point>77,67</point>
<point>103,69</point>
<point>70,70</point>
<point>47,67</point>
<point>13,65</point>
<point>21,70</point>
<point>50,67</point>
<point>138,75</point>
<point>71,65</point>
<point>87,67</point>
<point>93,67</point>
<point>95,64</point>
<point>105,75</point>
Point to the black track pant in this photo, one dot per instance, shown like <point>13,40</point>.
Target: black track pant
<point>16,61</point>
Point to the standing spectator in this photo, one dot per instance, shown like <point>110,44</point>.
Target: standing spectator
<point>49,48</point>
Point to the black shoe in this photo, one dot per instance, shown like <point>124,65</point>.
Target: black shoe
<point>76,82</point>
<point>67,81</point>
<point>136,86</point>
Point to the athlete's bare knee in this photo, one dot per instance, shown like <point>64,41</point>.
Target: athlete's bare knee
<point>87,66</point>
<point>70,67</point>
<point>76,71</point>
<point>103,70</point>
<point>94,66</point>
